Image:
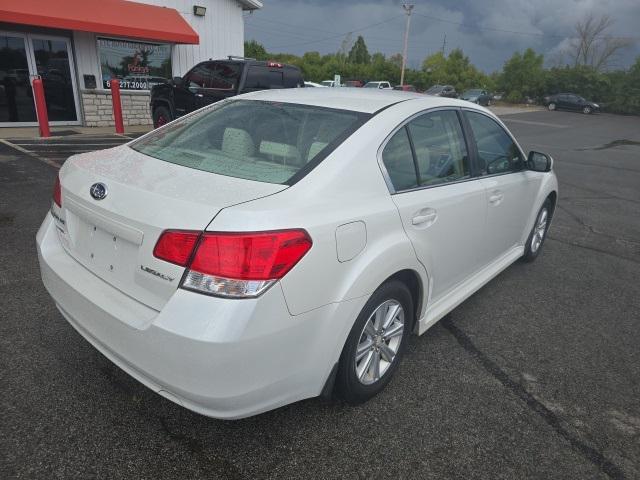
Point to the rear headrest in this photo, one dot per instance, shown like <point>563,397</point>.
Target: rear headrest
<point>289,154</point>
<point>237,143</point>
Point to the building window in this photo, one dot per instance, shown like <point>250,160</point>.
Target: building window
<point>138,65</point>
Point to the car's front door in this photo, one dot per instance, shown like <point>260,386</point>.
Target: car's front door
<point>221,82</point>
<point>510,189</point>
<point>441,206</point>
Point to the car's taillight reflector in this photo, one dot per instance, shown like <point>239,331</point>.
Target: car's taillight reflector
<point>57,192</point>
<point>233,264</point>
<point>176,246</point>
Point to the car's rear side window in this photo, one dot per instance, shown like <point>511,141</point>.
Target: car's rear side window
<point>427,151</point>
<point>256,140</point>
<point>263,78</point>
<point>441,152</point>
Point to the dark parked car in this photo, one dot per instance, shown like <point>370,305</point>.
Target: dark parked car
<point>477,95</point>
<point>442,91</point>
<point>570,101</point>
<point>405,88</point>
<point>354,83</point>
<point>215,80</point>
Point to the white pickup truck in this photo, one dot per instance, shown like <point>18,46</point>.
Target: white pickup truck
<point>380,85</point>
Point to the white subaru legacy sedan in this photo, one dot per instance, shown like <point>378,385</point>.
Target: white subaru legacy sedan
<point>284,244</point>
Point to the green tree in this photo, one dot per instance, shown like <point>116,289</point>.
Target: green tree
<point>523,76</point>
<point>359,53</point>
<point>253,49</point>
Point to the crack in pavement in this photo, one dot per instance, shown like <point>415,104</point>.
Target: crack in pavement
<point>593,229</point>
<point>591,454</point>
<point>593,249</point>
<point>600,192</point>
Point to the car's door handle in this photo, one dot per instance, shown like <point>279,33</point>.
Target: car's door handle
<point>199,95</point>
<point>496,197</point>
<point>424,218</point>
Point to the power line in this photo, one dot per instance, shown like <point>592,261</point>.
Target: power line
<point>304,28</point>
<point>514,32</point>
<point>340,34</point>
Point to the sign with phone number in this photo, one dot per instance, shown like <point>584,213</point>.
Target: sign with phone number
<point>129,85</point>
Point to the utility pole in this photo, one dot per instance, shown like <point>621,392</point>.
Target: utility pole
<point>444,43</point>
<point>408,8</point>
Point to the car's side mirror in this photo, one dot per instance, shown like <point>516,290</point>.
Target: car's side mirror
<point>177,81</point>
<point>539,162</point>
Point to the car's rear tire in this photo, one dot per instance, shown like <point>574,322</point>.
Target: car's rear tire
<point>551,106</point>
<point>375,344</point>
<point>161,116</point>
<point>586,110</point>
<point>488,103</point>
<point>538,233</point>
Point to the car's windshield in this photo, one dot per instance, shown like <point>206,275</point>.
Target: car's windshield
<point>473,92</point>
<point>435,89</point>
<point>255,140</point>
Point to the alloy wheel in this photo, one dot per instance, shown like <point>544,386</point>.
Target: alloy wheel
<point>380,341</point>
<point>539,230</point>
<point>552,106</point>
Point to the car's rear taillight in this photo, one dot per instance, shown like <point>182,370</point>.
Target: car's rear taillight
<point>57,192</point>
<point>233,264</point>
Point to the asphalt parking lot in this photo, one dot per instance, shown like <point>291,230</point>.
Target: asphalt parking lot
<point>536,376</point>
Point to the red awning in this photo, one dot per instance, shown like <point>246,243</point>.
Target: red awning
<point>107,17</point>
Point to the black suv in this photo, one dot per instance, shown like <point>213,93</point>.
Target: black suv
<point>215,80</point>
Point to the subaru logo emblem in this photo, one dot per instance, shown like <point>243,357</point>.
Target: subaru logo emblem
<point>98,191</point>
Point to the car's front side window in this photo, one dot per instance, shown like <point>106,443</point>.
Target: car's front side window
<point>198,77</point>
<point>497,152</point>
<point>441,153</point>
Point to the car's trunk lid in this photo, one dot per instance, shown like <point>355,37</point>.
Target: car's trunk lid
<point>114,237</point>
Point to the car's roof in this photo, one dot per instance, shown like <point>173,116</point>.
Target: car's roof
<point>356,99</point>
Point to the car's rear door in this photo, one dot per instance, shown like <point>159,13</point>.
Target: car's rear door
<point>442,207</point>
<point>510,189</point>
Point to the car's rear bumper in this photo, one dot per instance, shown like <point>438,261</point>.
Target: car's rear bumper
<point>223,358</point>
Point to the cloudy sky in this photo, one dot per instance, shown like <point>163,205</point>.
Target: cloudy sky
<point>488,31</point>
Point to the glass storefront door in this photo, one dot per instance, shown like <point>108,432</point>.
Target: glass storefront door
<point>16,96</point>
<point>22,57</point>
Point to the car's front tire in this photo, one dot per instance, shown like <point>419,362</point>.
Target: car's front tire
<point>538,233</point>
<point>375,344</point>
<point>161,116</point>
<point>587,110</point>
<point>551,106</point>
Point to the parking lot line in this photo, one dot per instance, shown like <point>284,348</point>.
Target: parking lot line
<point>531,122</point>
<point>33,155</point>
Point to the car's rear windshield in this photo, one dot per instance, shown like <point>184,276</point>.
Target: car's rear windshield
<point>255,140</point>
